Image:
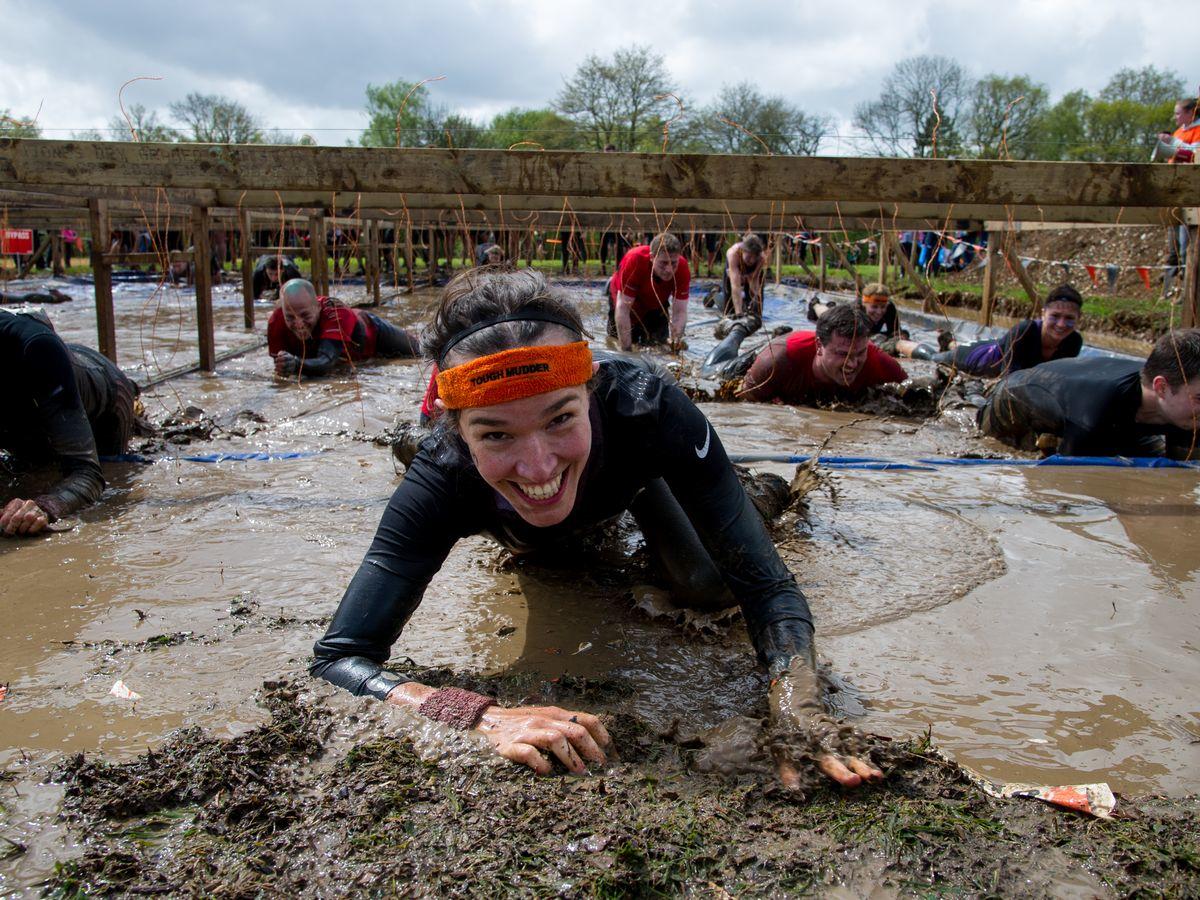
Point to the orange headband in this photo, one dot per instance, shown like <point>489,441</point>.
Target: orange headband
<point>876,298</point>
<point>514,375</point>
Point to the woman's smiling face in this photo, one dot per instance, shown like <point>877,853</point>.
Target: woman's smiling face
<point>532,451</point>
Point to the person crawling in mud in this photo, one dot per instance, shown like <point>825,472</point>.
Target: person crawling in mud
<point>837,361</point>
<point>1029,343</point>
<point>537,444</point>
<point>62,403</point>
<point>882,313</point>
<point>35,298</point>
<point>1104,406</point>
<point>648,295</point>
<point>310,335</point>
<point>270,272</point>
<point>745,273</point>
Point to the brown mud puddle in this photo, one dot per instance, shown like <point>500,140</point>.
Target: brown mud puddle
<point>1037,620</point>
<point>286,811</point>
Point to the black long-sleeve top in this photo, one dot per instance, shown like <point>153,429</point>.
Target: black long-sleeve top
<point>1091,403</point>
<point>642,428</point>
<point>42,413</point>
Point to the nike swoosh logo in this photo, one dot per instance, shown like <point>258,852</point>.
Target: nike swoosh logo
<point>703,451</point>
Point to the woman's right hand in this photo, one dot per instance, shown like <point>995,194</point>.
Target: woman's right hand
<point>524,734</point>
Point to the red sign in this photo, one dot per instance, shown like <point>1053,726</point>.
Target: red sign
<point>16,240</point>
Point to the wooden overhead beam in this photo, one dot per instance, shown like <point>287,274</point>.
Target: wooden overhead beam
<point>31,162</point>
<point>394,205</point>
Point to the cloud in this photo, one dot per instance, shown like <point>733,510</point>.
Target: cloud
<point>303,66</point>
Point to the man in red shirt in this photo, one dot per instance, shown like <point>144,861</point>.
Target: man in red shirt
<point>310,334</point>
<point>640,295</point>
<point>838,360</point>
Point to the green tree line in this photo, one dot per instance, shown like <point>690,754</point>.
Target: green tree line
<point>926,106</point>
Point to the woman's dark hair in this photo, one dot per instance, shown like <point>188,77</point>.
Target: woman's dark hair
<point>1187,104</point>
<point>1064,293</point>
<point>476,296</point>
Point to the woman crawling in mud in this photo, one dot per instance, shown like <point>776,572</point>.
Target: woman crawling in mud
<point>539,442</point>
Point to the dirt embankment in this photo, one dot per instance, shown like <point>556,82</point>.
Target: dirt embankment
<point>258,815</point>
<point>1130,309</point>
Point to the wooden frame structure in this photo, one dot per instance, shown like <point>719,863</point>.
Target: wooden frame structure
<point>92,183</point>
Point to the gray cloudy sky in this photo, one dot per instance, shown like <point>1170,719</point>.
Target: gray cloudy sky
<point>303,66</point>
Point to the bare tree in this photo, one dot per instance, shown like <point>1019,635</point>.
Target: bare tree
<point>619,101</point>
<point>213,119</point>
<point>905,120</point>
<point>743,120</point>
<point>143,123</point>
<point>1006,114</point>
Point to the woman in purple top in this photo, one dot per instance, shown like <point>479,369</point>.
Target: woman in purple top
<point>1025,345</point>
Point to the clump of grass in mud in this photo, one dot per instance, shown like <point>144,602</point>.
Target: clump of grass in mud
<point>380,819</point>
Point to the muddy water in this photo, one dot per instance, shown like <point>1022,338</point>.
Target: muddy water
<point>1041,622</point>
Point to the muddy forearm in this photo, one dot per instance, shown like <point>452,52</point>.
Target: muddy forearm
<point>357,674</point>
<point>322,362</point>
<point>81,487</point>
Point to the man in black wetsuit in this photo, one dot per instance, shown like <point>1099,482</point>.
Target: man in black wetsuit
<point>36,298</point>
<point>1103,406</point>
<point>272,272</point>
<point>63,402</point>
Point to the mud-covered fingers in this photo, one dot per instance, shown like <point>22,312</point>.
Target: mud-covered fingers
<point>526,755</point>
<point>554,741</point>
<point>834,768</point>
<point>592,723</point>
<point>789,775</point>
<point>6,515</point>
<point>864,769</point>
<point>583,742</point>
<point>23,517</point>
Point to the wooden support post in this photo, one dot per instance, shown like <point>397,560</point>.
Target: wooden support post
<point>989,278</point>
<point>778,259</point>
<point>318,255</point>
<point>929,298</point>
<point>1190,313</point>
<point>824,266</point>
<point>846,264</point>
<point>408,257</point>
<point>106,321</point>
<point>373,278</point>
<point>56,253</point>
<point>1009,249</point>
<point>247,270</point>
<point>202,263</point>
<point>884,253</point>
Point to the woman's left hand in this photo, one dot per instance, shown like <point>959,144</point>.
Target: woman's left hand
<point>809,734</point>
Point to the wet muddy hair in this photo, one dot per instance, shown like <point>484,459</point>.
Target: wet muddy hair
<point>481,313</point>
<point>848,320</point>
<point>1176,357</point>
<point>665,243</point>
<point>753,243</point>
<point>876,289</point>
<point>1064,293</point>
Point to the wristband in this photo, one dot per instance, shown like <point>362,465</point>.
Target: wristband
<point>456,707</point>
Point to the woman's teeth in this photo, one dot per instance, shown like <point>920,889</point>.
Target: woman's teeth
<point>542,491</point>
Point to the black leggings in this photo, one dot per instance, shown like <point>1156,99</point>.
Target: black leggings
<point>391,340</point>
<point>726,360</point>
